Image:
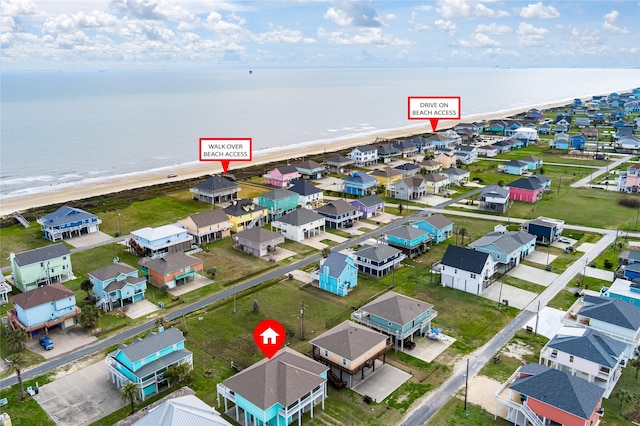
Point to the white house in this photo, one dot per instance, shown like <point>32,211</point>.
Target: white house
<point>364,155</point>
<point>466,269</point>
<point>299,224</point>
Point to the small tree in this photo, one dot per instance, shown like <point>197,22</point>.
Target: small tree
<point>17,364</point>
<point>212,271</point>
<point>325,252</point>
<point>635,363</point>
<point>86,286</point>
<point>164,290</point>
<point>16,339</point>
<point>256,308</point>
<point>463,233</point>
<point>129,392</point>
<point>180,374</point>
<point>624,396</point>
<point>400,208</point>
<point>89,316</point>
<point>162,322</point>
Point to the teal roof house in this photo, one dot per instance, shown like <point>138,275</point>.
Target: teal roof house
<point>278,202</point>
<point>41,266</point>
<point>276,391</point>
<point>398,316</point>
<point>438,226</point>
<point>68,222</point>
<point>144,361</point>
<point>337,274</point>
<point>117,284</point>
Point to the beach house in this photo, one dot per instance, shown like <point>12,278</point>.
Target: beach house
<point>494,198</point>
<point>438,226</point>
<point>525,189</point>
<point>207,226</point>
<point>387,152</point>
<point>282,176</point>
<point>410,240</point>
<point>68,222</point>
<point>336,274</point>
<point>507,250</point>
<point>629,181</point>
<point>145,361</point>
<point>44,308</point>
<point>310,169</point>
<point>406,148</point>
<point>623,289</point>
<point>339,214</point>
<point>409,188</point>
<point>186,410</point>
<point>364,155</point>
<point>278,202</point>
<point>309,196</point>
<point>488,151</point>
<point>399,317</point>
<point>41,266</point>
<point>456,176</point>
<point>299,224</point>
<point>466,154</point>
<point>360,183</point>
<point>545,229</point>
<point>436,183</point>
<point>257,241</point>
<point>369,206</point>
<point>378,260</point>
<point>386,176</point>
<point>158,242</point>
<point>338,163</point>
<point>466,269</point>
<point>276,390</point>
<point>430,166</point>
<point>215,190</point>
<point>513,167</point>
<point>117,284</point>
<point>171,270</point>
<point>408,169</point>
<point>446,157</point>
<point>245,214</point>
<point>349,349</point>
<point>533,162</point>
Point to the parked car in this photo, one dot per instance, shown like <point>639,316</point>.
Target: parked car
<point>47,343</point>
<point>564,240</point>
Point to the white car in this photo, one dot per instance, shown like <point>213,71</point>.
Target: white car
<point>564,240</point>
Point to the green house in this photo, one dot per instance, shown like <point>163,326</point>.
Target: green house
<point>278,202</point>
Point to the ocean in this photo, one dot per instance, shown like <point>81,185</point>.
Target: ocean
<point>71,128</point>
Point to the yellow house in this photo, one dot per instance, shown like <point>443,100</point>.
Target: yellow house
<point>387,176</point>
<point>210,225</point>
<point>245,214</point>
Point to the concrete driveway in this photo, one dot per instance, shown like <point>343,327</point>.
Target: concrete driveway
<point>427,350</point>
<point>88,240</point>
<point>517,297</point>
<point>601,274</point>
<point>64,341</point>
<point>533,275</point>
<point>540,257</point>
<point>549,322</point>
<point>80,398</point>
<point>382,383</point>
<point>316,243</point>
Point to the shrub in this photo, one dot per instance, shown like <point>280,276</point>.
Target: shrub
<point>629,201</point>
<point>608,264</point>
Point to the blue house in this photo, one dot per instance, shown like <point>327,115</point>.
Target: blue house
<point>578,142</point>
<point>513,167</point>
<point>337,274</point>
<point>625,290</point>
<point>144,361</point>
<point>399,317</point>
<point>507,250</point>
<point>117,284</point>
<point>533,162</point>
<point>68,222</point>
<point>545,229</point>
<point>359,183</point>
<point>43,308</point>
<point>632,271</point>
<point>160,241</point>
<point>275,391</point>
<point>560,141</point>
<point>409,239</point>
<point>438,226</point>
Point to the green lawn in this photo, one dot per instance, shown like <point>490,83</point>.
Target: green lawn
<point>453,414</point>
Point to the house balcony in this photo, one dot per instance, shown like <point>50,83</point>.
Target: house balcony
<point>306,402</point>
<point>13,318</point>
<point>226,393</point>
<point>362,317</point>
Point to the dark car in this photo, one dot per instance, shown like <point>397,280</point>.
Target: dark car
<point>47,343</point>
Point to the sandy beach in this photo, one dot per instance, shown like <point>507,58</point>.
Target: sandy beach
<point>62,195</point>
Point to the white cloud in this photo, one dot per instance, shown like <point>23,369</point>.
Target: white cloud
<point>455,9</point>
<point>373,36</point>
<point>446,26</point>
<point>6,39</point>
<point>415,25</point>
<point>527,29</point>
<point>66,23</point>
<point>358,13</point>
<point>18,7</point>
<point>499,51</point>
<point>215,23</point>
<point>70,40</point>
<point>539,11</point>
<point>529,35</point>
<point>479,40</point>
<point>279,34</point>
<point>493,29</point>
<point>610,21</point>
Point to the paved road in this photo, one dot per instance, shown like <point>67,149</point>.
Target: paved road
<point>602,170</point>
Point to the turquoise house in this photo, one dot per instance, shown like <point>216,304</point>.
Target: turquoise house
<point>409,239</point>
<point>438,226</point>
<point>278,202</point>
<point>144,361</point>
<point>275,391</point>
<point>399,317</point>
<point>622,289</point>
<point>513,167</point>
<point>337,274</point>
<point>117,284</point>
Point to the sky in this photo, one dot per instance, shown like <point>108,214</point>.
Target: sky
<point>161,34</point>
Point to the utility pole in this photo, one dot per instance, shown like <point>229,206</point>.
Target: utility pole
<point>118,222</point>
<point>535,333</point>
<point>302,321</point>
<point>466,386</point>
<point>637,213</point>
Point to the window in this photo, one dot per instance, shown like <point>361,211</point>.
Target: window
<point>344,361</point>
<point>473,275</point>
<point>554,353</point>
<point>570,358</point>
<point>326,353</point>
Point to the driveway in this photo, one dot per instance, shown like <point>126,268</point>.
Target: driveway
<point>80,398</point>
<point>540,257</point>
<point>140,309</point>
<point>88,240</point>
<point>427,350</point>
<point>601,274</point>
<point>517,297</point>
<point>316,243</point>
<point>64,341</point>
<point>382,383</point>
<point>549,321</point>
<point>533,275</point>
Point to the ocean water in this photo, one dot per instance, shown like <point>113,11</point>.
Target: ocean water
<point>69,128</point>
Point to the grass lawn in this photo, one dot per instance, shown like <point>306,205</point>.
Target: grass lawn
<point>617,413</point>
<point>28,411</point>
<point>564,299</point>
<point>16,239</point>
<point>521,284</point>
<point>453,413</point>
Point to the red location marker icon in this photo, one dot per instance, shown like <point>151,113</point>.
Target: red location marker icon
<point>269,336</point>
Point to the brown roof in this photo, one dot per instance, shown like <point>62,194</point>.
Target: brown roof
<point>397,308</point>
<point>282,379</point>
<point>434,177</point>
<point>336,208</point>
<point>209,217</point>
<point>170,263</point>
<point>308,164</point>
<point>258,235</point>
<point>349,340</point>
<point>386,172</point>
<point>439,221</point>
<point>41,295</point>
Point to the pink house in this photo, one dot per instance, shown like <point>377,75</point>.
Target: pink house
<point>281,177</point>
<point>525,189</point>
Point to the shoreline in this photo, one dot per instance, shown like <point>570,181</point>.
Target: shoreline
<point>84,190</point>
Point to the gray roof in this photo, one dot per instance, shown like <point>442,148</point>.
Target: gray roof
<point>283,379</point>
<point>465,148</point>
<point>634,255</point>
<point>539,178</point>
<point>412,181</point>
<point>336,208</point>
<point>119,285</point>
<point>187,410</point>
<point>285,170</point>
<point>465,259</point>
<point>397,308</point>
<point>216,183</point>
<point>335,262</point>
<point>515,163</point>
<point>154,342</point>
<point>209,217</point>
<point>561,390</point>
<point>454,171</point>
<point>302,187</point>
<point>361,177</point>
<point>41,295</point>
<point>507,243</point>
<point>64,215</point>
<point>386,172</point>
<point>435,177</point>
<point>278,194</point>
<point>438,221</point>
<point>501,143</point>
<point>112,271</point>
<point>611,311</point>
<point>525,183</point>
<point>407,232</point>
<point>592,346</point>
<point>242,207</point>
<point>41,254</point>
<point>339,159</point>
<point>258,235</point>
<point>349,340</point>
<point>308,165</point>
<point>366,148</point>
<point>300,217</point>
<point>531,158</point>
<point>407,166</point>
<point>496,190</point>
<point>430,163</point>
<point>369,200</point>
<point>378,253</point>
<point>170,263</point>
